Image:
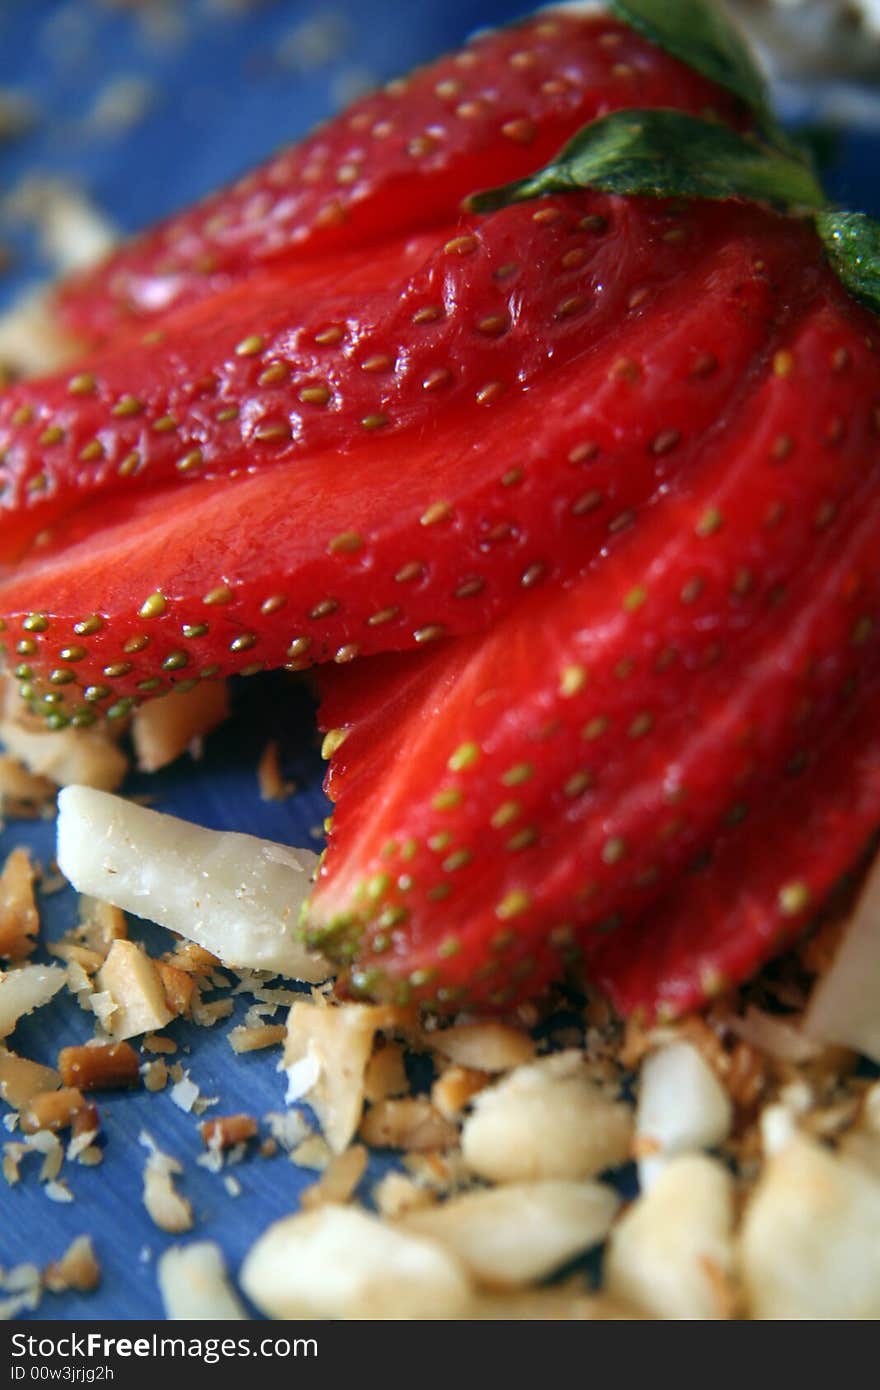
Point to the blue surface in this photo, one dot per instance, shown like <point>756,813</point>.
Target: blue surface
<point>225,90</point>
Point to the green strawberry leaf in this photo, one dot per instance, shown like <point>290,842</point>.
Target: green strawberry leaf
<point>699,33</point>
<point>852,241</point>
<point>666,154</point>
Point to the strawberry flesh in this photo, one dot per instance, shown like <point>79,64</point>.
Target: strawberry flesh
<point>761,887</point>
<point>431,528</point>
<point>560,773</point>
<point>399,160</point>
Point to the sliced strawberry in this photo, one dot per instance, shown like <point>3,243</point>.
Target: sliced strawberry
<point>436,526</point>
<point>762,886</point>
<point>398,160</point>
<point>282,373</point>
<point>689,668</point>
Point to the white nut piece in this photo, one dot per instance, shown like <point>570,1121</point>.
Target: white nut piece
<point>326,1056</point>
<point>235,895</point>
<point>810,1244</point>
<point>546,1120</point>
<point>513,1235</point>
<point>194,1284</point>
<point>671,1255</point>
<point>341,1262</point>
<point>26,989</point>
<point>682,1108</point>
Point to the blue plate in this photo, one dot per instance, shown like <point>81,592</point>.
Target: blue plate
<point>223,85</point>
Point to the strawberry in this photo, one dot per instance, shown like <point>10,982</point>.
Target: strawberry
<point>727,920</point>
<point>559,774</point>
<point>399,160</point>
<point>426,531</point>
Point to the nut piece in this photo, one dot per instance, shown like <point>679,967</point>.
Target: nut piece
<point>165,1205</point>
<point>21,1080</point>
<point>328,1049</point>
<point>135,987</point>
<point>194,1284</point>
<point>244,1039</point>
<point>77,1269</point>
<point>69,757</point>
<point>163,729</point>
<point>99,1067</point>
<point>671,1254</point>
<point>19,920</point>
<point>179,988</point>
<point>682,1108</point>
<point>340,1262</point>
<point>339,1179</point>
<point>26,989</point>
<point>53,1110</point>
<point>225,1131</point>
<point>235,895</point>
<point>411,1123</point>
<point>810,1243</point>
<point>514,1235</point>
<point>452,1092</point>
<point>488,1046</point>
<point>546,1120</point>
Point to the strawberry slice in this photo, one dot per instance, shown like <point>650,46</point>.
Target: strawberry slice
<point>428,529</point>
<point>282,373</point>
<point>686,671</point>
<point>726,921</point>
<point>399,160</point>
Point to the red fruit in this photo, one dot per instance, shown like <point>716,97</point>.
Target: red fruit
<point>419,528</point>
<point>762,886</point>
<point>530,786</point>
<point>399,160</point>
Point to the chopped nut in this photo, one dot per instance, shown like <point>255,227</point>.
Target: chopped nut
<point>178,986</point>
<point>339,1262</point>
<point>157,1042</point>
<point>53,1110</point>
<point>271,783</point>
<point>165,1205</point>
<point>244,1039</point>
<point>162,729</point>
<point>235,894</point>
<point>24,989</point>
<point>671,1254</point>
<point>77,1269</point>
<point>487,1047</point>
<point>810,1243</point>
<point>517,1234</point>
<point>455,1089</point>
<point>225,1131</point>
<point>397,1194</point>
<point>335,1044</point>
<point>339,1180</point>
<point>386,1073</point>
<point>19,921</point>
<point>193,959</point>
<point>81,757</point>
<point>546,1120</point>
<point>195,1286</point>
<point>134,984</point>
<point>411,1123</point>
<point>682,1107</point>
<point>22,794</point>
<point>312,1152</point>
<point>99,1067</point>
<point>21,1080</point>
<point>155,1075</point>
